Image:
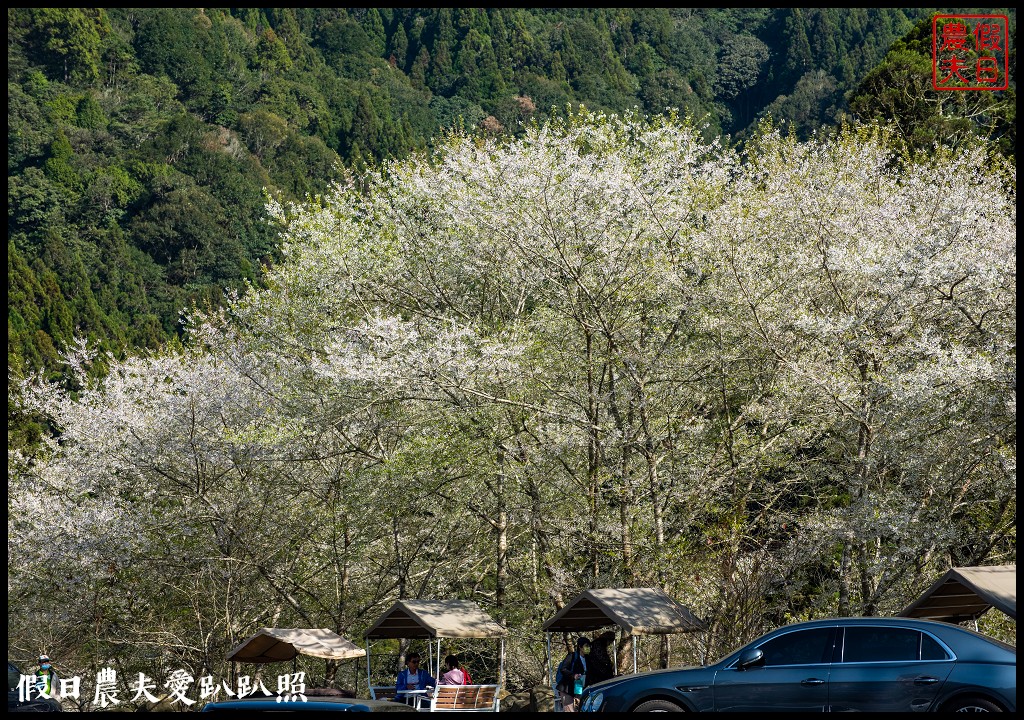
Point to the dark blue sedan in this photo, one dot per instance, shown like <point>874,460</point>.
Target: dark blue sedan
<point>866,664</point>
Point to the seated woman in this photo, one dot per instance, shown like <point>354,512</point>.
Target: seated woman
<point>413,677</point>
<point>455,675</point>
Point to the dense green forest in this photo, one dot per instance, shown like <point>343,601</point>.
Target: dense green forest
<point>142,143</point>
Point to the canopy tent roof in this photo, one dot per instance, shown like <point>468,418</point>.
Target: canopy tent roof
<point>435,619</point>
<point>965,593</point>
<point>638,611</point>
<point>276,644</point>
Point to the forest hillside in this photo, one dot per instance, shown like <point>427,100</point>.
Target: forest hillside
<point>142,143</point>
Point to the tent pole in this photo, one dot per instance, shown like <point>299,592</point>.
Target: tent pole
<point>369,683</point>
<point>615,656</point>
<point>634,638</point>
<point>501,663</point>
<point>438,674</point>
<point>430,655</point>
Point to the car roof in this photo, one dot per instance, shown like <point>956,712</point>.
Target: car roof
<point>936,626</point>
<point>867,619</point>
<point>944,630</point>
<point>880,620</point>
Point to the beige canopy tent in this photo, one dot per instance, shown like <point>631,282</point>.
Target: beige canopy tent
<point>967,593</point>
<point>281,644</point>
<point>637,611</point>
<point>433,620</point>
<point>278,644</point>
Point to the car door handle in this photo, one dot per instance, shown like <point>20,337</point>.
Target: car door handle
<point>925,680</point>
<point>812,681</point>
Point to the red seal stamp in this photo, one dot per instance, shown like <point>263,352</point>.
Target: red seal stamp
<point>970,52</point>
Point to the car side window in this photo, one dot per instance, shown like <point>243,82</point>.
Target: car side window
<point>881,644</point>
<point>931,650</point>
<point>802,647</point>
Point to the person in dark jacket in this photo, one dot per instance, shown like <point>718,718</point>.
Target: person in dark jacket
<point>572,676</point>
<point>602,667</point>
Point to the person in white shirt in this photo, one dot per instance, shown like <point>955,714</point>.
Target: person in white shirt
<point>413,677</point>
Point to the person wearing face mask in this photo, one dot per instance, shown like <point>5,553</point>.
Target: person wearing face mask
<point>46,677</point>
<point>572,676</point>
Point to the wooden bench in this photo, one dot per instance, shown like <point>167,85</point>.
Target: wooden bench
<point>383,692</point>
<point>468,698</point>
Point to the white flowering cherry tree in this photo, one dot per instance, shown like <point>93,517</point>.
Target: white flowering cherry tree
<point>778,383</point>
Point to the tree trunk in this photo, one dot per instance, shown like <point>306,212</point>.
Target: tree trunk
<point>501,528</point>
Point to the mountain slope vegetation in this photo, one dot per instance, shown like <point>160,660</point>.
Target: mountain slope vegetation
<point>142,143</point>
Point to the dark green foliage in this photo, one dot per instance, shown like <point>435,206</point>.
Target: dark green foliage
<point>67,41</point>
<point>26,134</point>
<point>58,166</point>
<point>799,58</point>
